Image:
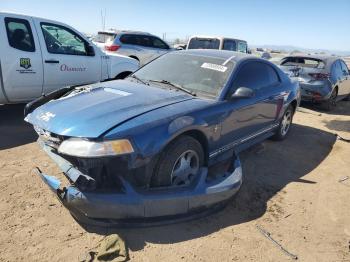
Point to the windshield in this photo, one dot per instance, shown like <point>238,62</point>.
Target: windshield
<point>204,43</point>
<point>201,75</point>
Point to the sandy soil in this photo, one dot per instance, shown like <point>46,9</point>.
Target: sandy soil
<point>290,189</point>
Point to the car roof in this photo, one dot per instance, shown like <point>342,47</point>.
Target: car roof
<point>216,37</point>
<point>130,32</point>
<point>223,54</point>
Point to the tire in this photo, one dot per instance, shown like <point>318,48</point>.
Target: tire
<point>179,163</point>
<point>331,103</point>
<point>285,124</point>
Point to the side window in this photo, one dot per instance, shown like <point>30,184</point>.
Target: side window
<point>337,70</point>
<point>128,39</point>
<point>19,34</point>
<point>256,75</point>
<point>344,68</point>
<point>144,40</point>
<point>242,47</point>
<point>157,43</point>
<point>61,40</point>
<point>230,45</point>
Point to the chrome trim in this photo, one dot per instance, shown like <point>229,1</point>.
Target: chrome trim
<point>240,141</point>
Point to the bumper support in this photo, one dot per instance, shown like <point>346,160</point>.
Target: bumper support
<point>145,207</point>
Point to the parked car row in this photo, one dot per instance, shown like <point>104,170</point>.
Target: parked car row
<point>164,139</point>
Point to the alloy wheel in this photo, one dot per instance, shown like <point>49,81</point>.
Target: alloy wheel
<point>185,169</point>
<point>286,122</point>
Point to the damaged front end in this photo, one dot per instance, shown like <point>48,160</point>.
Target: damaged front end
<point>107,181</point>
<point>124,203</point>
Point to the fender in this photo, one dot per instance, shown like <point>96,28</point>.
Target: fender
<point>117,65</point>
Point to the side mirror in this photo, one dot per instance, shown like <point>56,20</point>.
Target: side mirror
<point>243,92</point>
<point>90,51</point>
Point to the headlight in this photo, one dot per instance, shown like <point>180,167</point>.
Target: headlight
<point>85,148</point>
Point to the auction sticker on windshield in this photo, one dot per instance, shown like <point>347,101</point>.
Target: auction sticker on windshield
<point>215,67</point>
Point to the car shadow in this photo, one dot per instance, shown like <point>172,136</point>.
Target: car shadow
<point>267,169</point>
<point>342,108</point>
<point>338,125</point>
<point>14,131</point>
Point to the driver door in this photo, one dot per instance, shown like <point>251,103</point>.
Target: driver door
<point>248,118</point>
<point>65,57</point>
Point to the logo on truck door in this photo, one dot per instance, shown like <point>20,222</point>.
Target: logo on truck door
<point>25,63</point>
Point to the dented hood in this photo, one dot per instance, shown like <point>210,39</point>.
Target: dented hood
<point>97,108</point>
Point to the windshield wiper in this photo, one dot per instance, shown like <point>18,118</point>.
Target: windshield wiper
<point>139,79</point>
<point>174,85</point>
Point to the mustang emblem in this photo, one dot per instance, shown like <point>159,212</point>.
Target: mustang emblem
<point>46,116</point>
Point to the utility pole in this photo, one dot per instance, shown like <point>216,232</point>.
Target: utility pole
<point>103,19</point>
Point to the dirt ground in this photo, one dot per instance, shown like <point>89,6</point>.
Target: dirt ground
<point>291,189</point>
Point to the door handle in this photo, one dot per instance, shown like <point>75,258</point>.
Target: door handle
<point>52,61</point>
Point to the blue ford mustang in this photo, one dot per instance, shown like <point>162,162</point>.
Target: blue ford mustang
<point>162,141</point>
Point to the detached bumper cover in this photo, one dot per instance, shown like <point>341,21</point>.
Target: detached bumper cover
<point>140,205</point>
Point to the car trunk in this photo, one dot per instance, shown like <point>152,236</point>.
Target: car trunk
<point>304,69</point>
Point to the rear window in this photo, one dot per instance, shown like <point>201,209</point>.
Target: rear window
<point>303,62</point>
<point>104,37</point>
<point>204,43</point>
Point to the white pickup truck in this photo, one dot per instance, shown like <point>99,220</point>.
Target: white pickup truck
<point>38,56</point>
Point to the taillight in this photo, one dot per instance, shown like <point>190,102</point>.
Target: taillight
<point>319,76</point>
<point>112,47</point>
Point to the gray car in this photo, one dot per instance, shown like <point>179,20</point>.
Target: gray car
<point>322,79</point>
<point>141,46</point>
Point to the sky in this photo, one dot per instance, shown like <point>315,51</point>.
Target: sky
<point>322,24</point>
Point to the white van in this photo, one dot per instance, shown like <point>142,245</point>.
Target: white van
<point>221,43</point>
<point>38,56</point>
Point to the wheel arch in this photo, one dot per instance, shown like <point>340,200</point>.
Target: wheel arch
<point>123,75</point>
<point>199,136</point>
<point>134,57</point>
<point>294,104</point>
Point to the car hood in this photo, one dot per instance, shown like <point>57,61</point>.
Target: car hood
<point>97,108</point>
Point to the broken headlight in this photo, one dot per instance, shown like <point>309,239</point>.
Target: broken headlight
<point>86,148</point>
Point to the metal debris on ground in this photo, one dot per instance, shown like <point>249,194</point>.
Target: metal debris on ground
<point>268,236</point>
<point>343,179</point>
<point>342,139</point>
<point>111,248</point>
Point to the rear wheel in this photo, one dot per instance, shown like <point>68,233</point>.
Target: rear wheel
<point>179,164</point>
<point>285,124</point>
<point>331,103</point>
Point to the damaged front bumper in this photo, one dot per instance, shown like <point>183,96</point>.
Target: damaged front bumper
<point>140,206</point>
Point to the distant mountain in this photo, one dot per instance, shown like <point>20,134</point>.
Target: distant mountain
<point>288,48</point>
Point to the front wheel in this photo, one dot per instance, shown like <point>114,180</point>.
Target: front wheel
<point>284,125</point>
<point>179,164</point>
